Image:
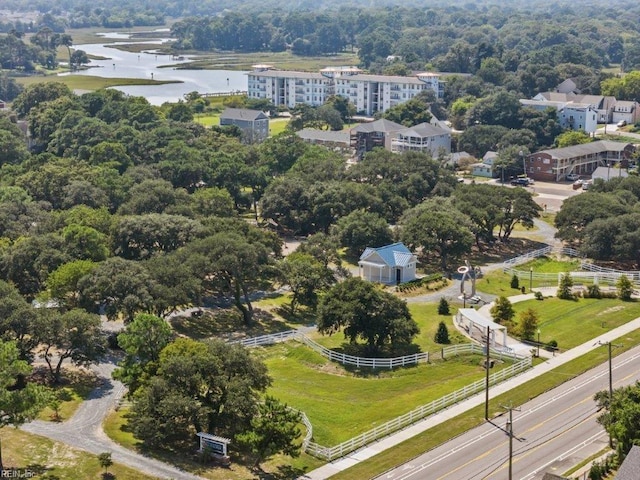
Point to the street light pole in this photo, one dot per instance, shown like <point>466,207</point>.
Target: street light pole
<point>531,279</point>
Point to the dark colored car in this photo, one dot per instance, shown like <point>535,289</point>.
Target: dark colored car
<point>522,181</point>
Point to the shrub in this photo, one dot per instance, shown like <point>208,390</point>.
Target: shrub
<point>538,296</point>
<point>551,345</point>
<point>515,281</point>
<point>593,291</point>
<point>625,288</point>
<point>443,307</point>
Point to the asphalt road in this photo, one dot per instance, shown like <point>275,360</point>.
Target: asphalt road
<point>551,433</point>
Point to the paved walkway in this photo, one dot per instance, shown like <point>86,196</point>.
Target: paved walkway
<point>363,454</point>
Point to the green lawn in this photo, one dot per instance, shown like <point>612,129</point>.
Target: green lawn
<point>427,318</point>
<point>324,390</point>
<point>499,283</point>
<point>572,323</point>
<point>433,437</point>
<point>276,125</point>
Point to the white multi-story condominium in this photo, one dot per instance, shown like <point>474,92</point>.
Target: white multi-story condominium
<point>369,93</point>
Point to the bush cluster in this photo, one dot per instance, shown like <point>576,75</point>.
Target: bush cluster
<point>430,282</point>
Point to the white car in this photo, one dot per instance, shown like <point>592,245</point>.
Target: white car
<point>572,177</point>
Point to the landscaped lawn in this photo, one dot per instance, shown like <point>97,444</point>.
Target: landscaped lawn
<point>572,323</point>
<point>427,318</point>
<point>499,282</point>
<point>277,125</point>
<point>328,393</point>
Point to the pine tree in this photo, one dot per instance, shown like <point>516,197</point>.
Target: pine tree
<point>443,307</point>
<point>515,281</point>
<point>564,289</point>
<point>442,335</point>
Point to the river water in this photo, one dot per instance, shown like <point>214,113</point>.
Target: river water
<point>121,64</point>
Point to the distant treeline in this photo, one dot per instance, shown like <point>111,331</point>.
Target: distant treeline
<point>454,38</point>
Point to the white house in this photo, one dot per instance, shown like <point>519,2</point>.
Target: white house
<point>627,111</point>
<point>486,167</point>
<point>391,264</point>
<point>423,138</point>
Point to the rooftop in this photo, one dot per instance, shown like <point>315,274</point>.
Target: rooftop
<point>242,114</point>
<point>586,149</point>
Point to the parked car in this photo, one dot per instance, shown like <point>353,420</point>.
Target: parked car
<point>587,184</point>
<point>578,184</point>
<point>521,181</point>
<point>572,177</point>
<point>622,123</point>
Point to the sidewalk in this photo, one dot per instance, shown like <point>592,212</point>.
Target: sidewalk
<point>367,452</point>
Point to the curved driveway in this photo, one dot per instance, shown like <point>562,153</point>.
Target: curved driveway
<point>84,429</point>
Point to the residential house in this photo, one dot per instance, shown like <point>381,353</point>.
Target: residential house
<point>369,93</point>
<point>379,134</point>
<point>603,105</point>
<point>254,124</point>
<point>391,264</point>
<point>3,105</point>
<point>630,468</point>
<point>423,138</point>
<point>625,111</point>
<point>487,167</point>
<point>568,86</point>
<point>556,164</point>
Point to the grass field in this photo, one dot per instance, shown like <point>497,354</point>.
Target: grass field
<point>59,461</point>
<point>325,391</point>
<point>572,323</point>
<point>427,318</point>
<point>499,283</point>
<point>433,437</point>
<point>276,125</point>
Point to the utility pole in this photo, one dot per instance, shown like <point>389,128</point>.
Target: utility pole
<point>510,433</point>
<point>610,345</point>
<point>487,363</point>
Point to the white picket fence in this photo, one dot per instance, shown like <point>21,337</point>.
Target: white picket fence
<point>366,362</point>
<point>588,272</point>
<point>331,453</point>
